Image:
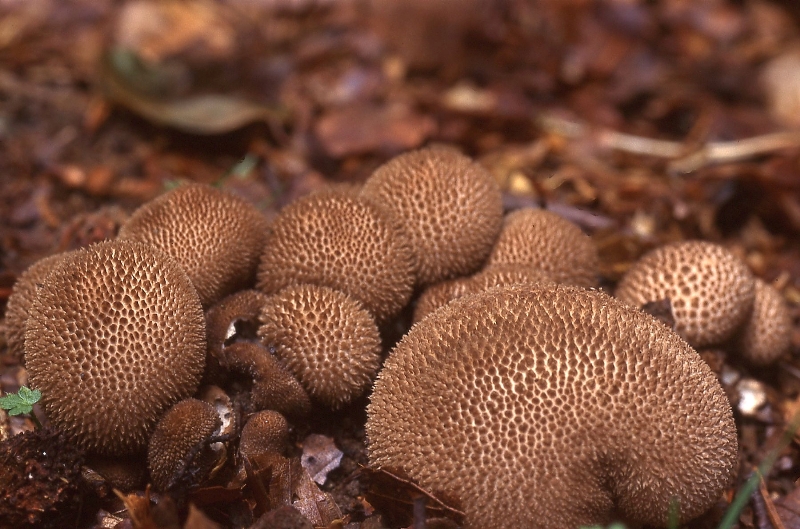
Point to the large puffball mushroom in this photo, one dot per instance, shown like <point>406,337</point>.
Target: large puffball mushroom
<point>180,452</point>
<point>116,335</point>
<point>710,290</point>
<point>449,206</point>
<point>441,294</point>
<point>325,338</point>
<point>216,237</point>
<point>338,240</point>
<point>767,333</point>
<point>563,395</point>
<point>22,295</point>
<point>548,242</point>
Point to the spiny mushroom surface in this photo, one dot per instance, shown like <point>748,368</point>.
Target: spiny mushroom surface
<point>338,240</point>
<point>22,295</point>
<point>557,394</point>
<point>115,336</point>
<point>216,237</point>
<point>449,206</point>
<point>179,452</point>
<point>548,242</point>
<point>767,333</point>
<point>443,293</point>
<point>325,338</point>
<point>710,290</point>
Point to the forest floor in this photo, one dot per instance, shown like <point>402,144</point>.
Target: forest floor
<point>643,121</point>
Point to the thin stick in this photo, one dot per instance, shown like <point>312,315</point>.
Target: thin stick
<point>684,158</point>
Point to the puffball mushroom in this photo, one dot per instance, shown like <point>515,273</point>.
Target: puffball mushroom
<point>22,295</point>
<point>548,242</point>
<point>180,452</point>
<point>553,407</point>
<point>265,431</point>
<point>710,289</point>
<point>216,237</point>
<point>115,336</point>
<point>449,206</point>
<point>325,338</point>
<point>272,386</point>
<point>443,293</point>
<point>338,240</point>
<point>767,333</point>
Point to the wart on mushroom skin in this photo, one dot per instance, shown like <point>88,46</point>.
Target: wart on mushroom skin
<point>591,407</point>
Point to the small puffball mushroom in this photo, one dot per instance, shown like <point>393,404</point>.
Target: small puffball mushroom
<point>449,206</point>
<point>443,293</point>
<point>116,335</point>
<point>548,242</point>
<point>22,295</point>
<point>557,394</point>
<point>325,338</point>
<point>338,240</point>
<point>266,431</point>
<point>767,333</point>
<point>273,387</point>
<point>180,451</point>
<point>710,290</point>
<point>216,237</point>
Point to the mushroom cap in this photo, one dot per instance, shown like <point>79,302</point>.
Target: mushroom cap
<point>341,241</point>
<point>325,338</point>
<point>548,242</point>
<point>122,473</point>
<point>710,289</point>
<point>767,333</point>
<point>22,295</point>
<point>115,336</point>
<point>273,387</point>
<point>265,431</point>
<point>179,447</point>
<point>449,206</point>
<point>501,275</point>
<point>555,393</point>
<point>216,237</point>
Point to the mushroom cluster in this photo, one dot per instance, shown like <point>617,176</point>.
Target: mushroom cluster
<point>155,348</point>
<point>713,297</point>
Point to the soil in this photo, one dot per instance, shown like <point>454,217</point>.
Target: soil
<point>642,121</point>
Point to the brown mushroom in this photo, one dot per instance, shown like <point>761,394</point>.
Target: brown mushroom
<point>325,338</point>
<point>443,293</point>
<point>230,316</point>
<point>710,290</point>
<point>180,452</point>
<point>548,242</point>
<point>22,295</point>
<point>265,431</point>
<point>767,333</point>
<point>557,394</point>
<point>216,237</point>
<point>271,385</point>
<point>338,240</point>
<point>449,206</point>
<point>115,336</point>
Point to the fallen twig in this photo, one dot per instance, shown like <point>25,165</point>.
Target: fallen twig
<point>685,158</point>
